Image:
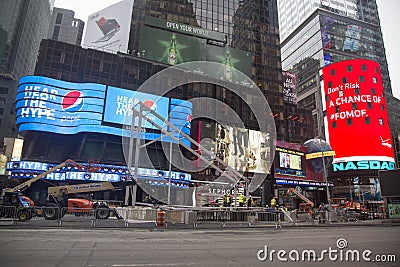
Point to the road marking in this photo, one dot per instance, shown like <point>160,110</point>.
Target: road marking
<point>153,264</point>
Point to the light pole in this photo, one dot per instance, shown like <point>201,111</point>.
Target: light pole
<point>328,196</point>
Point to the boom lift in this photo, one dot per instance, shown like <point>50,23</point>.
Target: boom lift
<point>12,197</point>
<point>307,206</point>
<point>58,198</point>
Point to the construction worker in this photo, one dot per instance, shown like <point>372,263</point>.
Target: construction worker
<point>249,201</point>
<point>225,200</point>
<point>273,202</point>
<point>228,200</point>
<point>241,200</point>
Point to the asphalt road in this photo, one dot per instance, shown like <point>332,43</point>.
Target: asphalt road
<point>203,247</point>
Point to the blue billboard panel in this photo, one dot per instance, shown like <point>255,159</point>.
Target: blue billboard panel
<point>50,105</point>
<point>119,103</point>
<point>53,102</point>
<point>110,173</point>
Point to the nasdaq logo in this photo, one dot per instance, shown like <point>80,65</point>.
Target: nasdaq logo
<point>363,165</point>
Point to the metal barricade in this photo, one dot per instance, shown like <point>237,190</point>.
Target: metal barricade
<point>238,216</point>
<point>8,213</point>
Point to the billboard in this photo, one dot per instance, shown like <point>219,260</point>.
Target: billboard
<point>243,149</point>
<point>352,39</point>
<point>356,122</point>
<point>105,173</point>
<point>289,87</point>
<point>108,29</point>
<point>45,104</point>
<point>174,43</point>
<point>119,103</point>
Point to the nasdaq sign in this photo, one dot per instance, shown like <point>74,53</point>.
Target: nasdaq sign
<point>363,165</point>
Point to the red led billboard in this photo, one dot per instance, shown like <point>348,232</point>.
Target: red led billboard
<point>356,122</point>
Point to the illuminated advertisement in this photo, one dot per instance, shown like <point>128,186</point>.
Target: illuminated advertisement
<point>290,161</point>
<point>352,40</point>
<point>108,29</point>
<point>291,166</point>
<point>356,121</point>
<point>50,105</point>
<point>3,163</point>
<point>104,173</point>
<point>243,149</point>
<point>289,87</point>
<point>119,104</point>
<point>174,43</point>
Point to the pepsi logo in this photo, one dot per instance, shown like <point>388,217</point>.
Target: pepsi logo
<point>150,104</point>
<point>72,101</point>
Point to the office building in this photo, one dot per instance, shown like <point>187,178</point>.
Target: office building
<point>65,27</point>
<point>23,24</point>
<point>336,43</point>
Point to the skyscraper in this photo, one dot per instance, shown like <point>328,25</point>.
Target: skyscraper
<point>64,27</point>
<point>323,43</point>
<point>23,24</point>
<point>317,33</point>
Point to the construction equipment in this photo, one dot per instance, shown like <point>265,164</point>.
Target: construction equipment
<point>58,201</point>
<point>307,206</point>
<point>22,206</point>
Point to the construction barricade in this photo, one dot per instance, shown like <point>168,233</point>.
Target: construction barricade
<point>250,217</point>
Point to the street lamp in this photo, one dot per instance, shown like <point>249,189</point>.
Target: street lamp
<point>328,196</point>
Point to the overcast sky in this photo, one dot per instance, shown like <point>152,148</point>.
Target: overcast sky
<point>388,12</point>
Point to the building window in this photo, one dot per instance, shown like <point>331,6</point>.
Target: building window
<point>367,120</point>
<point>362,78</point>
<point>340,93</point>
<point>333,72</point>
<point>337,109</point>
<point>364,67</point>
<point>56,32</point>
<point>334,124</point>
<point>374,80</point>
<point>369,105</point>
<point>3,90</point>
<point>381,122</point>
<point>357,91</point>
<point>354,106</point>
<point>344,80</point>
<point>349,122</point>
<point>59,18</point>
<point>349,68</point>
<point>373,91</point>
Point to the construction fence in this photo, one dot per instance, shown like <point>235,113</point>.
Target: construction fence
<point>169,217</point>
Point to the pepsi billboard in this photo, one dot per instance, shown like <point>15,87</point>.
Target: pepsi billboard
<point>50,105</point>
<point>119,104</point>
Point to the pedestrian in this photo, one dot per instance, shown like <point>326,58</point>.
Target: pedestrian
<point>322,211</point>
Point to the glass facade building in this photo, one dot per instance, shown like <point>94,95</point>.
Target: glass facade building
<point>23,24</point>
<point>329,32</point>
